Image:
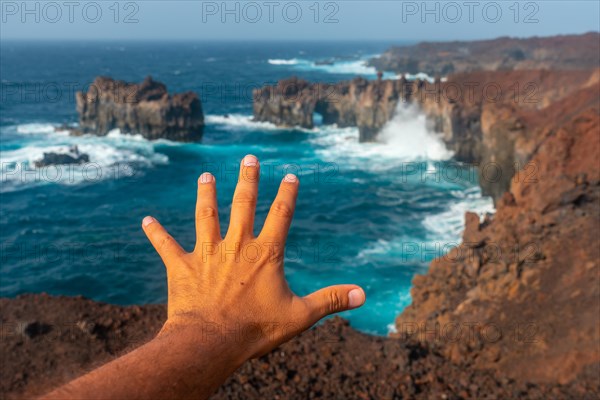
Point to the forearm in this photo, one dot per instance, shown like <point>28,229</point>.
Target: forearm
<point>177,364</point>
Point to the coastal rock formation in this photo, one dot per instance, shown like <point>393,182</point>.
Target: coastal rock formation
<point>476,114</point>
<point>145,108</point>
<point>362,103</point>
<point>72,157</point>
<point>49,340</point>
<point>521,292</point>
<point>443,58</point>
<point>512,312</point>
<point>485,117</point>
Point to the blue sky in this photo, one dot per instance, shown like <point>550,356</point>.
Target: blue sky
<point>294,20</point>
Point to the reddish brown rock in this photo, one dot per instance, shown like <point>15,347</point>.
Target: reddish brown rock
<point>49,340</point>
<point>486,118</point>
<point>533,302</point>
<point>145,108</point>
<point>505,53</point>
<point>365,104</point>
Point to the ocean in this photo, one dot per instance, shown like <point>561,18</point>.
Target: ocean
<point>372,214</point>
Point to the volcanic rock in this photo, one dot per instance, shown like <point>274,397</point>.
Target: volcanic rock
<point>145,108</point>
<point>566,52</point>
<point>72,157</point>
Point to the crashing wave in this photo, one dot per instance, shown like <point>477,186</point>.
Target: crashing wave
<point>292,61</point>
<point>350,67</point>
<point>239,122</point>
<point>405,138</point>
<point>112,157</point>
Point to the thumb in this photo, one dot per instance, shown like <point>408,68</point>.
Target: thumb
<point>164,243</point>
<point>334,299</point>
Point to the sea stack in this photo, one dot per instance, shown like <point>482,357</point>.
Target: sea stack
<point>145,108</point>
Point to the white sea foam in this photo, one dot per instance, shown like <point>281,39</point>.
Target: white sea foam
<point>111,157</point>
<point>420,75</point>
<point>357,67</point>
<point>443,232</point>
<point>381,246</point>
<point>404,138</point>
<point>118,135</point>
<point>276,61</point>
<point>239,122</point>
<point>404,299</point>
<point>35,129</point>
<point>448,225</point>
<point>407,132</point>
<point>350,67</point>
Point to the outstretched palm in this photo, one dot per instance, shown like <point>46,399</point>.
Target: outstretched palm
<point>236,286</point>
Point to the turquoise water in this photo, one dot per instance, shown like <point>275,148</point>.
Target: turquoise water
<point>361,210</point>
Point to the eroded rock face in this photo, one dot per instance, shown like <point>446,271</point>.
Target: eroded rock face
<point>481,116</point>
<point>444,58</point>
<point>359,102</point>
<point>521,292</point>
<point>485,117</point>
<point>145,108</point>
<point>519,295</point>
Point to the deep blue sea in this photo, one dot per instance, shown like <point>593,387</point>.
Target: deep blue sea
<point>371,214</point>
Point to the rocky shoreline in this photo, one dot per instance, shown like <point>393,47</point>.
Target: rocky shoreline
<point>483,117</point>
<point>564,52</point>
<point>510,312</point>
<point>529,276</point>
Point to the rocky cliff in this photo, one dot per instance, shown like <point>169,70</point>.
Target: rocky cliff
<point>145,108</point>
<point>521,292</point>
<point>505,53</point>
<point>475,113</point>
<point>362,103</point>
<point>484,117</point>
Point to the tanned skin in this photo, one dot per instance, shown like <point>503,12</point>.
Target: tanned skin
<point>228,301</point>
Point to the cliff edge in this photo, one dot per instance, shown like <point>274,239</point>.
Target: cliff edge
<point>521,293</point>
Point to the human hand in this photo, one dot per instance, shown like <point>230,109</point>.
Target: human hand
<point>235,287</point>
<point>228,301</point>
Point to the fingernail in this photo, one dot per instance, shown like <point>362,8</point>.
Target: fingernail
<point>250,161</point>
<point>147,221</point>
<point>206,177</point>
<point>356,298</point>
<point>290,178</point>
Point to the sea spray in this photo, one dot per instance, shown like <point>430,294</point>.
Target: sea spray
<point>404,139</point>
<point>409,138</point>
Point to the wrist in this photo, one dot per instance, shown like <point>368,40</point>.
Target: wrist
<point>231,345</point>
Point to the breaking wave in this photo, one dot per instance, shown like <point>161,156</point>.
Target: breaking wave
<point>110,157</point>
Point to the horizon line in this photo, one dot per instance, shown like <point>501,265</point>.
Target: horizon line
<point>274,40</point>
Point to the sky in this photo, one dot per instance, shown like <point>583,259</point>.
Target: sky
<point>293,20</point>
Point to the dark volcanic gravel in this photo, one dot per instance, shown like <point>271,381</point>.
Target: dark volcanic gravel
<point>48,340</point>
